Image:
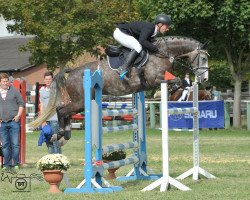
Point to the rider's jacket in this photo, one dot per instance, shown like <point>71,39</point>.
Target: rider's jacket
<point>142,31</point>
<point>186,84</point>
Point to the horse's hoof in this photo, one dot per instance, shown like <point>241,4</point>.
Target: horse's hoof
<point>53,138</point>
<point>62,142</point>
<point>67,135</point>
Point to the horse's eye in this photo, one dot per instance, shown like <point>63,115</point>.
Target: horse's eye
<point>203,60</point>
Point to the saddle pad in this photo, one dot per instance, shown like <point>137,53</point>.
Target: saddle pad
<point>115,62</point>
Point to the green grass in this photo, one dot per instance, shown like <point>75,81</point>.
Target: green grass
<point>224,153</point>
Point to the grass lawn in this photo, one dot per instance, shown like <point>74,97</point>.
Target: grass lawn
<point>224,153</point>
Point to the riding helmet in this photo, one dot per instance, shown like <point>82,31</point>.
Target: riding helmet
<point>162,18</point>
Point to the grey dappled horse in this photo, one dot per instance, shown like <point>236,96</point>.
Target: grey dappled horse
<point>70,81</point>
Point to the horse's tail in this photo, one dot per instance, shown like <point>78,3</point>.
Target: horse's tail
<point>56,88</point>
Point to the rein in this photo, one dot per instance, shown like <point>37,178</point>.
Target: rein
<point>179,60</point>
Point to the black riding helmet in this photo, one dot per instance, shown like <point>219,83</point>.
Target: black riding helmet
<point>164,19</point>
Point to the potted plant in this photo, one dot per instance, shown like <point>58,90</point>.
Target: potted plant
<point>113,156</point>
<point>52,166</point>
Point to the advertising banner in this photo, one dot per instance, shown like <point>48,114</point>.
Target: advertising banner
<point>211,115</point>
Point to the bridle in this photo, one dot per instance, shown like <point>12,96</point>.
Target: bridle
<point>183,62</point>
<point>189,65</point>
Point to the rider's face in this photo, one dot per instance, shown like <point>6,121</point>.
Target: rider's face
<point>163,28</point>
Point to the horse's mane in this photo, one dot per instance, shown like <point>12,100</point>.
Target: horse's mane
<point>178,38</point>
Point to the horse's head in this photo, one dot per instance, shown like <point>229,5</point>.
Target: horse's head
<point>198,63</point>
<point>205,94</point>
<point>187,52</point>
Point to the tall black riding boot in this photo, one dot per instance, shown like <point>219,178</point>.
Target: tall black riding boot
<point>123,70</point>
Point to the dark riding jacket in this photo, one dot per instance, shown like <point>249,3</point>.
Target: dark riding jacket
<point>185,83</point>
<point>142,31</point>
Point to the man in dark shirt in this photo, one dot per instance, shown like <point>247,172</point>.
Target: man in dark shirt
<point>11,108</point>
<point>138,35</point>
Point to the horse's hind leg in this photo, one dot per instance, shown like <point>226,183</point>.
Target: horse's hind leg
<point>67,133</point>
<point>61,123</point>
<point>64,113</point>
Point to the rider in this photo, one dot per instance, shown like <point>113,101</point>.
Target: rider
<point>136,35</point>
<point>187,85</point>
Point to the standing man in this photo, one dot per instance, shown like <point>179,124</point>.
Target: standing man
<point>187,87</point>
<point>11,108</point>
<point>53,147</point>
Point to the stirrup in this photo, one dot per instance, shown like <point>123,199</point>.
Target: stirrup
<point>123,75</point>
<point>121,69</point>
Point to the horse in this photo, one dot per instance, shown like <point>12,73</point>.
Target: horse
<point>70,80</point>
<point>205,94</point>
<point>174,95</point>
<point>202,95</point>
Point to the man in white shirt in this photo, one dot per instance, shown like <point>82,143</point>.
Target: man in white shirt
<point>53,147</point>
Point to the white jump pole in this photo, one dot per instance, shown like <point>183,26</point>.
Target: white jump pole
<point>196,169</point>
<point>165,181</point>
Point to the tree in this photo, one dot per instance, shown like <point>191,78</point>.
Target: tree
<point>219,75</point>
<point>64,29</point>
<point>224,23</point>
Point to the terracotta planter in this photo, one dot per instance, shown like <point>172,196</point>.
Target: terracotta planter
<point>53,177</point>
<point>111,174</point>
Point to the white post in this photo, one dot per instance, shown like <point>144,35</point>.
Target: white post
<point>196,170</point>
<point>165,153</point>
<point>165,181</point>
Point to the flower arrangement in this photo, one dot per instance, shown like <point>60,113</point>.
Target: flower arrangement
<point>115,155</point>
<point>53,162</point>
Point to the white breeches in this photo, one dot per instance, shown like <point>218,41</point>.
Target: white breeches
<point>127,40</point>
<point>185,93</point>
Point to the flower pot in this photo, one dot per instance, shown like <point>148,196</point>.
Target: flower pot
<point>53,177</point>
<point>111,174</point>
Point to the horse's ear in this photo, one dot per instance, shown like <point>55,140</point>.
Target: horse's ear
<point>205,45</point>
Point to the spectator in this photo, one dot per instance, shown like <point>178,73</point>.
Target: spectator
<point>187,87</point>
<point>11,108</point>
<point>53,147</point>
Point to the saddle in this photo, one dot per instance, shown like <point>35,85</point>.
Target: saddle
<point>116,56</point>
